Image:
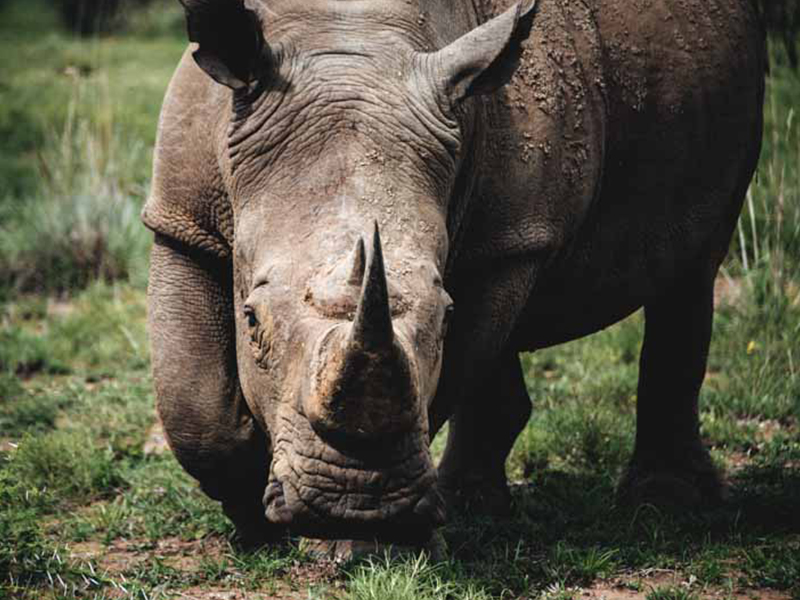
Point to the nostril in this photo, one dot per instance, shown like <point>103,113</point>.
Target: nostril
<point>275,506</point>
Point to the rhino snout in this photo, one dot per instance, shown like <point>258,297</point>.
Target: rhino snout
<point>363,383</point>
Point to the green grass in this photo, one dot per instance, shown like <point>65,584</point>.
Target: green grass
<point>124,75</point>
<point>84,223</point>
<point>76,135</point>
<point>86,512</point>
<point>415,577</point>
<point>671,593</point>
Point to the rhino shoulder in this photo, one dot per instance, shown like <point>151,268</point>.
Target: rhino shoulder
<point>188,201</point>
<point>545,141</point>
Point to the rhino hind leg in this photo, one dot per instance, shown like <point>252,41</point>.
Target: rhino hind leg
<point>480,436</point>
<point>670,466</point>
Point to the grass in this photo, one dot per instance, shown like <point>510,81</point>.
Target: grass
<point>76,134</point>
<point>88,511</point>
<point>413,577</point>
<point>84,223</point>
<point>76,483</point>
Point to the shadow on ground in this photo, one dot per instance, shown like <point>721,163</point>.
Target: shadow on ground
<point>567,530</point>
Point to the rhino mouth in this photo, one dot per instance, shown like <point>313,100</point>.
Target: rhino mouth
<point>386,491</point>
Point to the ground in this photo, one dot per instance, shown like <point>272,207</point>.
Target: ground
<point>91,497</point>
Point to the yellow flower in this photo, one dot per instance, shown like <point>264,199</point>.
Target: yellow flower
<point>752,347</point>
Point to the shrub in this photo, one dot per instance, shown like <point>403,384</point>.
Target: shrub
<point>83,224</point>
<point>68,465</point>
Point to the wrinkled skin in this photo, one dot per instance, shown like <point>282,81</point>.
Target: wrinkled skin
<point>332,177</point>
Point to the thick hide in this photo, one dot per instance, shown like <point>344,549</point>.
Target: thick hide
<point>365,210</point>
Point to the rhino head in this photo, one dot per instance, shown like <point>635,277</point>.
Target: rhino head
<point>343,159</point>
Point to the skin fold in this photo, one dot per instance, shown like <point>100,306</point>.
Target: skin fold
<point>364,210</point>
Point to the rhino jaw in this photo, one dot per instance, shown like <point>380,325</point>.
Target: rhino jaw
<point>386,492</point>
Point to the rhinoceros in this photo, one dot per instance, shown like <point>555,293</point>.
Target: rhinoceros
<point>364,210</point>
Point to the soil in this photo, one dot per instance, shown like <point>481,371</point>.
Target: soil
<point>156,442</point>
<point>637,586</point>
<point>727,291</point>
<point>122,556</point>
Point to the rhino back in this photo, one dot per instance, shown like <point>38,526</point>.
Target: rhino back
<point>651,112</point>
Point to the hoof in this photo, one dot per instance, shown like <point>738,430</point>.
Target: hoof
<point>478,498</point>
<point>252,528</point>
<point>691,489</point>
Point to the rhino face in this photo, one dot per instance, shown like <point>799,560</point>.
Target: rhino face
<point>340,364</point>
<point>339,253</point>
<point>341,154</point>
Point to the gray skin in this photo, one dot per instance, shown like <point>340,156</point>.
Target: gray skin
<point>333,176</point>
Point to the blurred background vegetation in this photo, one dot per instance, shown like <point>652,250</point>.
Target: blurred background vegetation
<point>81,83</point>
<point>77,126</point>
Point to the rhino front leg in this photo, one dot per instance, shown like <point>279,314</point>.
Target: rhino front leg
<point>481,390</point>
<point>206,420</point>
<point>670,465</point>
<point>481,434</point>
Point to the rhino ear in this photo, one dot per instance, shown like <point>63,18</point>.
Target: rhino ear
<point>484,59</point>
<point>230,40</point>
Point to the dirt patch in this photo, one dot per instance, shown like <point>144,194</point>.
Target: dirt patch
<point>727,291</point>
<point>156,442</point>
<point>279,592</point>
<point>113,561</point>
<point>110,560</point>
<point>765,428</point>
<point>187,555</point>
<point>735,461</point>
<point>638,585</point>
<point>8,445</point>
<point>318,573</point>
<point>209,593</point>
<point>122,555</point>
<point>293,585</point>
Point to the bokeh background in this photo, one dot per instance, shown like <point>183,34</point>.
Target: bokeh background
<point>91,505</point>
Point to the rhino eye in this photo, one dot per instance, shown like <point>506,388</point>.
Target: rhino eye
<point>260,334</point>
<point>448,315</point>
<point>250,315</point>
